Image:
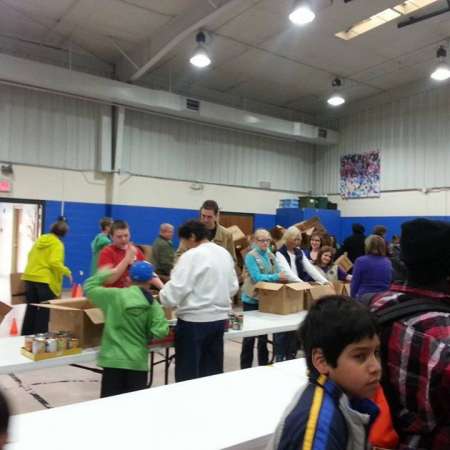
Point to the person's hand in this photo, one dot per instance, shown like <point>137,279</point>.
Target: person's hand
<point>283,277</point>
<point>70,278</point>
<point>348,278</point>
<point>131,254</point>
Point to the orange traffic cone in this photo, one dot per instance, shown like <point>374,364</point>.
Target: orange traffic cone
<point>77,290</point>
<point>13,330</point>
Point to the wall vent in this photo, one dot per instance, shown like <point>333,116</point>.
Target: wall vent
<point>192,104</point>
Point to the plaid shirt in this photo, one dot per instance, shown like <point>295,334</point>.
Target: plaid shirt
<point>417,362</point>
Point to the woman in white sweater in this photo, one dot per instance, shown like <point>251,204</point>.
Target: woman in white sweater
<point>293,262</point>
<point>201,286</point>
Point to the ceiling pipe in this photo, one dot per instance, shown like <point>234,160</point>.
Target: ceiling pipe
<point>413,20</point>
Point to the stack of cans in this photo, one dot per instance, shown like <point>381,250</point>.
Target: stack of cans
<point>235,321</point>
<point>50,342</point>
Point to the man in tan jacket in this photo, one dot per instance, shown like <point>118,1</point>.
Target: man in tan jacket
<point>209,215</point>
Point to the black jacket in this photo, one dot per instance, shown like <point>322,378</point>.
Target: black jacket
<point>354,246</point>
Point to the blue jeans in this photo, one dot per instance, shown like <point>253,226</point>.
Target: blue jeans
<point>198,349</point>
<point>285,345</point>
<point>249,342</point>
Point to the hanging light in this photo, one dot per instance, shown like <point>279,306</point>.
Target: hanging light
<point>302,13</point>
<point>200,58</point>
<point>336,99</point>
<point>442,71</point>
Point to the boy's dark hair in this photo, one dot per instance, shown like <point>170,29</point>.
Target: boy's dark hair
<point>332,323</point>
<point>4,414</point>
<point>211,205</point>
<point>119,225</point>
<point>193,227</point>
<point>105,222</point>
<point>60,228</point>
<point>358,228</point>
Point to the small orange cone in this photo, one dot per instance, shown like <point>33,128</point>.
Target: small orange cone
<point>77,290</point>
<point>13,330</point>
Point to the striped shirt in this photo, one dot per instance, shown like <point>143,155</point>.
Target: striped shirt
<point>417,360</point>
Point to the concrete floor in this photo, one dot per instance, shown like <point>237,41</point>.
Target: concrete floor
<point>48,388</point>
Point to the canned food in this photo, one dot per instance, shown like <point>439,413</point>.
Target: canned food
<point>28,343</point>
<point>61,343</point>
<point>75,343</point>
<point>241,320</point>
<point>236,325</point>
<point>51,345</point>
<point>38,346</point>
<point>41,336</point>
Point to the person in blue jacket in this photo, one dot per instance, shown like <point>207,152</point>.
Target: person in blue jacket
<point>333,411</point>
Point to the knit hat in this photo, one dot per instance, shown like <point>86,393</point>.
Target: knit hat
<point>141,271</point>
<point>426,244</point>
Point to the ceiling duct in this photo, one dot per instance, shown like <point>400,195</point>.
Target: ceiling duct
<point>31,74</point>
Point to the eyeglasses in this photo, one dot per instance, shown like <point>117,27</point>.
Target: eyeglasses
<point>262,240</point>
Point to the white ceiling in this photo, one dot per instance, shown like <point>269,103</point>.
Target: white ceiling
<point>257,53</point>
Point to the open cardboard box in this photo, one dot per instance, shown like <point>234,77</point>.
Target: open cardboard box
<point>77,315</point>
<point>344,262</point>
<point>17,289</point>
<point>317,291</point>
<point>279,298</point>
<point>239,237</point>
<point>342,288</point>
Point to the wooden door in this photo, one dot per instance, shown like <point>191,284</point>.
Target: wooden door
<point>244,221</point>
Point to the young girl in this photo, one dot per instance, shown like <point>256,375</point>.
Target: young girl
<point>315,243</point>
<point>325,265</point>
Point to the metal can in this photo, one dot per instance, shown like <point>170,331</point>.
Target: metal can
<point>61,343</point>
<point>28,344</point>
<point>51,345</point>
<point>38,346</point>
<point>74,343</point>
<point>241,321</point>
<point>41,336</point>
<point>236,325</point>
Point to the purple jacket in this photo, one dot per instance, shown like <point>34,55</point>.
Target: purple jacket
<point>371,274</point>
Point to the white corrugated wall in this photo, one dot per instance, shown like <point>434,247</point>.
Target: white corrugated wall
<point>43,129</point>
<point>177,149</point>
<point>413,135</point>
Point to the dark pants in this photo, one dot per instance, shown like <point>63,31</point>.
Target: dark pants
<point>121,381</point>
<point>249,342</point>
<point>36,319</point>
<point>285,345</point>
<point>198,349</point>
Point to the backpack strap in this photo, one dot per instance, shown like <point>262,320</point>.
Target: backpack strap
<point>410,308</point>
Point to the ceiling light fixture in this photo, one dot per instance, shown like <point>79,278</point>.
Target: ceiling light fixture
<point>200,58</point>
<point>302,13</point>
<point>442,71</point>
<point>336,99</point>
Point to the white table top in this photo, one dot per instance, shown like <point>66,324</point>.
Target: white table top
<point>230,411</point>
<point>255,323</point>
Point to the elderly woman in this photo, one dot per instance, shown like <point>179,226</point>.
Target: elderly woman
<point>293,262</point>
<point>373,272</point>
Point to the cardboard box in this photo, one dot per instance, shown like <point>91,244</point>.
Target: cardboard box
<point>307,226</point>
<point>342,288</point>
<point>146,250</point>
<point>4,310</point>
<point>279,298</point>
<point>239,237</point>
<point>344,263</point>
<point>77,315</point>
<point>17,289</point>
<point>317,291</point>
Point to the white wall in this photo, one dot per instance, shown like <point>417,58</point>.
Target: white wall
<point>412,133</point>
<point>409,203</point>
<point>52,184</point>
<point>177,149</point>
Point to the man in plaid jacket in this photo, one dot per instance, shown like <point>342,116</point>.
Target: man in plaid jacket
<point>416,349</point>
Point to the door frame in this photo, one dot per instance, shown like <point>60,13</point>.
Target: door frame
<point>40,203</point>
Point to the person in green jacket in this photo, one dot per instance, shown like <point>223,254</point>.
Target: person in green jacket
<point>163,251</point>
<point>43,277</point>
<point>100,241</point>
<point>132,319</point>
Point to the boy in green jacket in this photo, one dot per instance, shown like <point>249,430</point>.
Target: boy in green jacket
<point>132,319</point>
<point>100,241</point>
